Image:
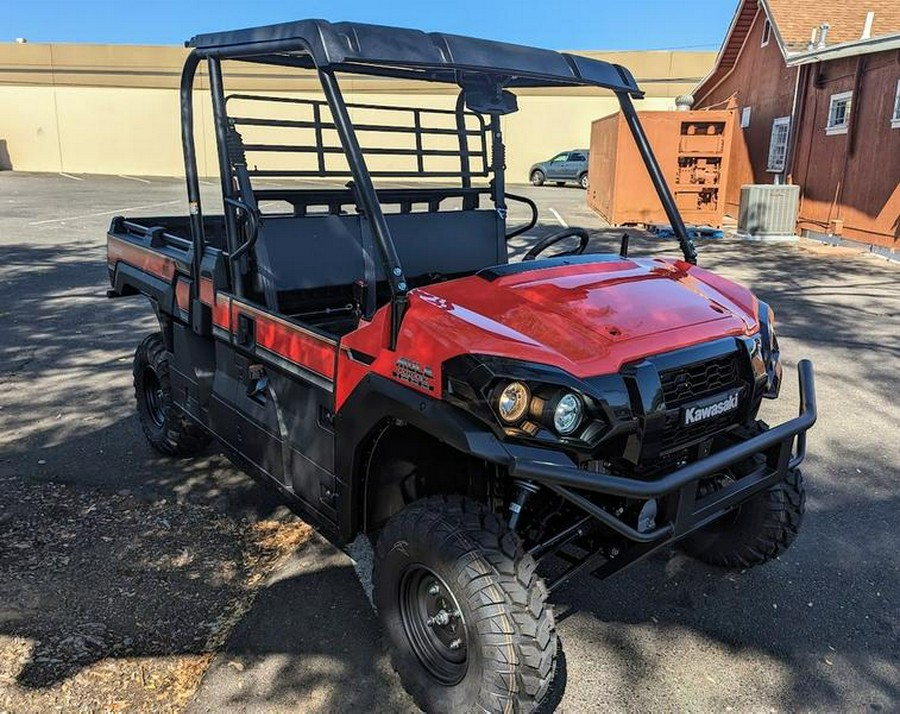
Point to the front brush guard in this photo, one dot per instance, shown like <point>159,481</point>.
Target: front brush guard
<point>685,513</point>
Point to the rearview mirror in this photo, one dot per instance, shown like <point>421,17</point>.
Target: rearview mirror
<point>491,100</point>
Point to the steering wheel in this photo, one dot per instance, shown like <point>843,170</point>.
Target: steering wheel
<point>555,238</point>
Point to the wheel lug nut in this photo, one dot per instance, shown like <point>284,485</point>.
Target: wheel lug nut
<point>456,644</point>
<point>434,589</point>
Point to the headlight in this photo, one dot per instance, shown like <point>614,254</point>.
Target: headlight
<point>534,402</point>
<point>513,402</point>
<point>568,413</point>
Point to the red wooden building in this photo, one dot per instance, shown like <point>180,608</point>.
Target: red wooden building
<point>816,87</point>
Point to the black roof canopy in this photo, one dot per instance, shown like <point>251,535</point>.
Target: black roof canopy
<point>410,54</point>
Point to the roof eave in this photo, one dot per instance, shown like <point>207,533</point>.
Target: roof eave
<point>884,43</point>
<point>715,67</point>
<point>761,5</point>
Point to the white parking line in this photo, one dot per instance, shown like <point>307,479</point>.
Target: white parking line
<point>114,212</point>
<point>132,178</point>
<point>70,176</point>
<point>558,217</point>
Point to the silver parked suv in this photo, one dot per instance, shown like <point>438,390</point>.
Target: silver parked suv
<point>564,167</point>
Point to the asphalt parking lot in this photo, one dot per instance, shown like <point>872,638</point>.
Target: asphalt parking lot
<point>125,576</point>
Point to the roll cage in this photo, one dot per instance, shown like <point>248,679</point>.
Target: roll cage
<point>484,70</point>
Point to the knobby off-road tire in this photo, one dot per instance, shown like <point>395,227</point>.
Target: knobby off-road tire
<point>166,427</point>
<point>761,529</point>
<point>450,554</point>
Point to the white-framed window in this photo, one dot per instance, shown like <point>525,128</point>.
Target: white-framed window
<point>767,33</point>
<point>839,113</point>
<point>895,118</point>
<point>745,117</point>
<point>778,144</point>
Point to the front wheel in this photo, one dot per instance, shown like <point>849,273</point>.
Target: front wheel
<point>537,178</point>
<point>166,427</point>
<point>583,181</point>
<point>466,616</point>
<point>759,530</point>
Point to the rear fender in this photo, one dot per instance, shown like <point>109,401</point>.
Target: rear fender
<point>128,280</point>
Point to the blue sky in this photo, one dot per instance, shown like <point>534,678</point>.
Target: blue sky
<point>556,24</point>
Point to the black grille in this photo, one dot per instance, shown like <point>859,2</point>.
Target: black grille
<point>678,436</point>
<point>693,382</point>
<point>704,379</point>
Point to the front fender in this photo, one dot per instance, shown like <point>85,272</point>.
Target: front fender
<point>377,399</point>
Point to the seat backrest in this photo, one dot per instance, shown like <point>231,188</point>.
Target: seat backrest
<point>447,242</point>
<point>308,252</point>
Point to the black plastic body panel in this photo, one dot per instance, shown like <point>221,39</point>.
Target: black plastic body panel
<point>377,399</point>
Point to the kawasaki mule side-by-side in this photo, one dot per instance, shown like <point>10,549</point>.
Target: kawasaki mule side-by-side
<point>373,353</point>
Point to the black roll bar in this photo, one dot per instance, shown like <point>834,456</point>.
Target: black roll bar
<point>230,202</point>
<point>186,93</point>
<point>363,186</point>
<point>369,200</point>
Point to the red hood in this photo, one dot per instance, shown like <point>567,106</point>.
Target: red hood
<point>588,319</point>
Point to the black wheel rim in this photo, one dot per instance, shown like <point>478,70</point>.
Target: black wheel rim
<point>434,624</point>
<point>153,397</point>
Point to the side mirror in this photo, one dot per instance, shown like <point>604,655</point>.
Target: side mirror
<point>491,100</point>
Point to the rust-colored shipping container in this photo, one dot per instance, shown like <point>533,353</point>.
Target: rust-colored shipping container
<point>693,149</point>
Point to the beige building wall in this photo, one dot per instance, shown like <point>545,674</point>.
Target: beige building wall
<point>113,109</point>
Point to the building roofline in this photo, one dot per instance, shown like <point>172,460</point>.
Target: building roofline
<point>882,43</point>
<point>731,26</point>
<point>852,48</point>
<point>761,5</point>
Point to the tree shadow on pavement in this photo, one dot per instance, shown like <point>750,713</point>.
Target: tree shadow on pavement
<point>67,404</point>
<point>311,641</point>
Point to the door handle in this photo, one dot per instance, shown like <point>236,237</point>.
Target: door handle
<point>246,330</point>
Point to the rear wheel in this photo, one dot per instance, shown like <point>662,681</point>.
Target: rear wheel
<point>465,613</point>
<point>583,181</point>
<point>537,178</point>
<point>759,530</point>
<point>166,427</point>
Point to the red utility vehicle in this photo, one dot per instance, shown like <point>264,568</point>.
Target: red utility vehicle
<point>375,355</point>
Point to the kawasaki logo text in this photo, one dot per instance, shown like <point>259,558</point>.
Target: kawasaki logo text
<point>698,413</point>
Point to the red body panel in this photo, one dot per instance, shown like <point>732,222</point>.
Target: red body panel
<point>587,319</point>
<point>289,341</point>
<point>146,259</point>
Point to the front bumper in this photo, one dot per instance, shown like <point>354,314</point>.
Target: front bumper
<point>684,512</point>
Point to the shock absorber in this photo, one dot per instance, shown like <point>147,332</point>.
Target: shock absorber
<point>526,488</point>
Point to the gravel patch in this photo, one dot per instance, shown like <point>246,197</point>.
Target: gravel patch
<point>109,602</point>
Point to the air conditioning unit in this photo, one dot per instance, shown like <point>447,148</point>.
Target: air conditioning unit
<point>768,212</point>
